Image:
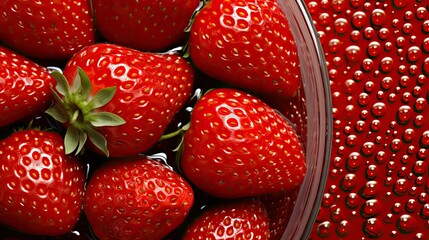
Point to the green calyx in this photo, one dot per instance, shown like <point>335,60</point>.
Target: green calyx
<point>75,106</point>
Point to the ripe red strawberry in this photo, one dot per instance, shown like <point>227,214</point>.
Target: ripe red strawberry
<point>46,29</point>
<point>238,146</point>
<point>241,219</point>
<point>136,198</point>
<point>246,43</point>
<point>145,25</point>
<point>377,54</point>
<point>24,88</point>
<point>127,98</point>
<point>41,188</point>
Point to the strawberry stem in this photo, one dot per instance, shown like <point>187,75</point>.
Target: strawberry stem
<point>179,131</point>
<point>76,106</point>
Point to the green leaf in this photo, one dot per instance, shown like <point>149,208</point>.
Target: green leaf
<point>85,84</point>
<point>105,119</point>
<point>57,113</point>
<point>98,140</point>
<point>71,140</point>
<point>102,97</point>
<point>62,83</point>
<point>83,136</point>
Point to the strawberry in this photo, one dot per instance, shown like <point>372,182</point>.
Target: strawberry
<point>241,219</point>
<point>122,99</point>
<point>377,54</point>
<point>237,146</point>
<point>24,88</point>
<point>136,198</point>
<point>144,25</point>
<point>41,188</point>
<point>247,43</point>
<point>46,29</point>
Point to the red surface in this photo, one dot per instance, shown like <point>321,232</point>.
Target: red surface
<point>378,62</point>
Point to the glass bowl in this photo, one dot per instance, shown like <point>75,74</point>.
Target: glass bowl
<point>316,99</point>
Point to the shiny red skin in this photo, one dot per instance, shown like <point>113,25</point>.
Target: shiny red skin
<point>378,62</point>
<point>46,29</point>
<point>41,189</point>
<point>136,198</point>
<point>150,89</point>
<point>232,40</point>
<point>145,25</point>
<point>25,87</point>
<point>238,146</point>
<point>242,219</point>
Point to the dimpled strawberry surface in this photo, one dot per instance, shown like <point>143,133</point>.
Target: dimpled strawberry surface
<point>378,61</point>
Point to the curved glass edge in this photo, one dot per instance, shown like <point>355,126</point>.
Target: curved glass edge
<point>319,120</point>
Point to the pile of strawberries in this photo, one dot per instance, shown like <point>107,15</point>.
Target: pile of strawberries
<point>156,121</point>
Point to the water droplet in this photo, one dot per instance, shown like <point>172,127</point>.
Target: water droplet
<point>327,200</point>
<point>425,45</point>
<point>408,135</point>
<point>353,54</point>
<point>400,3</point>
<point>424,140</point>
<point>386,64</point>
<point>341,25</point>
<point>324,229</point>
<point>313,7</point>
<point>411,205</point>
<point>373,49</point>
<point>417,90</point>
<point>363,99</point>
<point>343,228</point>
<point>413,54</point>
<point>424,212</point>
<point>348,182</point>
<point>400,42</point>
<point>421,154</point>
<point>404,114</point>
<point>395,145</point>
<point>334,45</point>
<point>324,19</point>
<point>353,201</point>
<point>381,157</point>
<point>407,28</point>
<point>425,67</point>
<point>360,126</point>
<point>368,33</point>
<point>404,82</point>
<point>420,168</point>
<point>378,109</point>
<point>336,215</point>
<point>375,125</point>
<point>418,121</point>
<point>421,13</point>
<point>355,36</point>
<point>371,208</point>
<point>351,140</point>
<point>378,17</point>
<point>369,190</point>
<point>420,104</point>
<point>423,198</point>
<point>374,228</point>
<point>371,172</point>
<point>396,208</point>
<point>383,34</point>
<point>368,148</point>
<point>358,19</point>
<point>400,188</point>
<point>356,3</point>
<point>407,223</point>
<point>353,162</point>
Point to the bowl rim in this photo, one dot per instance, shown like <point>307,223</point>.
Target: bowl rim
<point>312,189</point>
